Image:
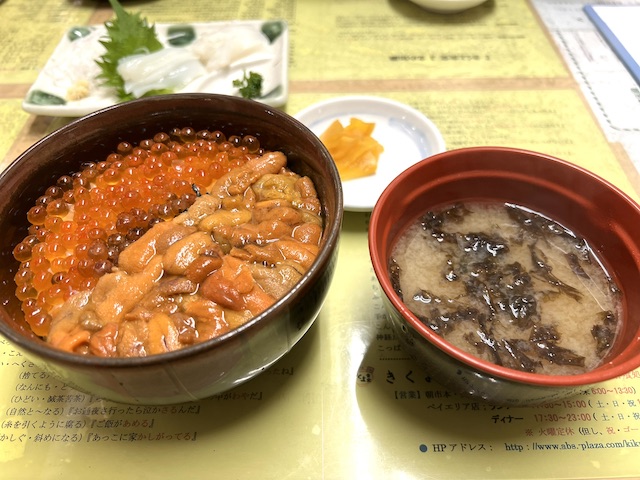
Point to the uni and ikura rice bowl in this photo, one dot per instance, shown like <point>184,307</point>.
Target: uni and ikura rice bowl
<point>165,244</point>
<point>509,286</point>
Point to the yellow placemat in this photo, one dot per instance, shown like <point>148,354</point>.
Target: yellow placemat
<point>399,40</point>
<point>346,402</point>
<point>12,120</point>
<point>31,30</point>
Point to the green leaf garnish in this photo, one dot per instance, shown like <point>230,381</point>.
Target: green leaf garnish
<point>250,86</point>
<point>128,34</point>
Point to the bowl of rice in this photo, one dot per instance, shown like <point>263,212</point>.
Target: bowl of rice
<point>167,249</point>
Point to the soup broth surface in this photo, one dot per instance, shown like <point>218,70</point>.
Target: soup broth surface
<point>508,285</point>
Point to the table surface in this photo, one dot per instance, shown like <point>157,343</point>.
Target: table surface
<point>346,402</point>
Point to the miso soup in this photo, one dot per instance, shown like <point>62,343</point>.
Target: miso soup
<point>508,285</point>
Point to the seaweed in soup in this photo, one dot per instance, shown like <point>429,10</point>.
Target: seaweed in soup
<point>509,285</point>
<point>605,333</point>
<point>543,269</point>
<point>394,273</point>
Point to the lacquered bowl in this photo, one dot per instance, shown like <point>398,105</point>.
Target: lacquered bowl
<point>591,207</point>
<point>203,369</point>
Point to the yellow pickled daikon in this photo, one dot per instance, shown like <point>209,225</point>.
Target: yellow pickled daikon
<point>352,147</point>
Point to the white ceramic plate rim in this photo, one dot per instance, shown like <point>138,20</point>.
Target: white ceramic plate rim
<point>58,60</point>
<point>448,6</point>
<point>406,134</point>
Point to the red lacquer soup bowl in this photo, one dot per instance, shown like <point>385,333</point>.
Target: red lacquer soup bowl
<point>592,208</point>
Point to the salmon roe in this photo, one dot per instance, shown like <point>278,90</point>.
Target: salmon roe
<point>79,226</point>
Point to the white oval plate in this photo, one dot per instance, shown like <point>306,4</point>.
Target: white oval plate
<point>405,133</point>
<point>74,62</point>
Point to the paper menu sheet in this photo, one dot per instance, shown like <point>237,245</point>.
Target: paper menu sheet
<point>30,31</point>
<point>619,26</point>
<point>500,39</point>
<point>12,118</point>
<point>345,403</point>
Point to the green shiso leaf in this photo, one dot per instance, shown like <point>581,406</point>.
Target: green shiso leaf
<point>128,34</point>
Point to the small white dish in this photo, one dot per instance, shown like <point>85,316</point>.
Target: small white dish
<point>448,6</point>
<point>72,66</point>
<point>406,134</point>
